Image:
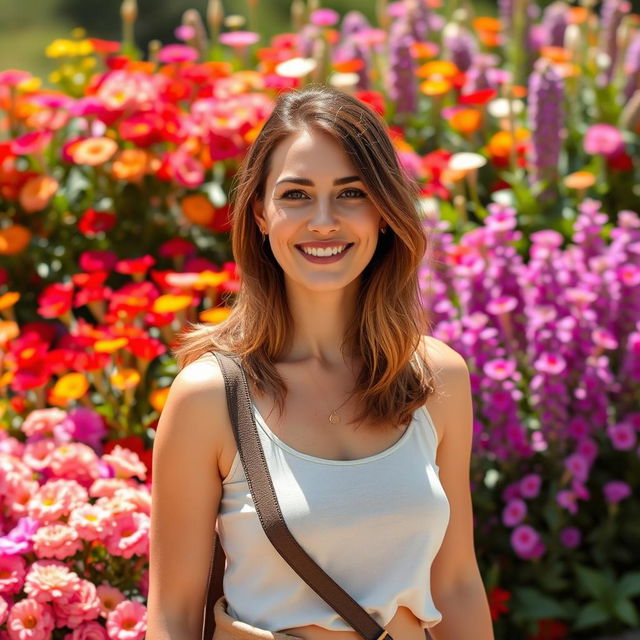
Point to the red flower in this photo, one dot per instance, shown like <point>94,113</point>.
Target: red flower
<point>373,99</point>
<point>497,602</point>
<point>550,630</point>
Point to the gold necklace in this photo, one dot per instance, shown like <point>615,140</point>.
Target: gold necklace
<point>334,418</point>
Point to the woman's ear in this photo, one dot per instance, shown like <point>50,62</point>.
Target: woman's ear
<point>257,207</point>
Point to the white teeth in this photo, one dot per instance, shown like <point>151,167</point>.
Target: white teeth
<point>331,251</point>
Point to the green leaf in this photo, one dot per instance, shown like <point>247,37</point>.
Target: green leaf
<point>533,605</point>
<point>625,611</point>
<point>591,616</point>
<point>629,585</point>
<point>593,582</point>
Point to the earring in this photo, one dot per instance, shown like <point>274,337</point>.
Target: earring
<point>383,229</point>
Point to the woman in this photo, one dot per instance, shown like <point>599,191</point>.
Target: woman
<point>351,402</point>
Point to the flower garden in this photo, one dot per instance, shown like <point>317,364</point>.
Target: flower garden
<point>523,132</point>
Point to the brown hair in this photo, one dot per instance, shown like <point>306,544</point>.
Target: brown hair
<point>388,326</point>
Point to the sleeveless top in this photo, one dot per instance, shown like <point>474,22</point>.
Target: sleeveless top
<point>373,524</point>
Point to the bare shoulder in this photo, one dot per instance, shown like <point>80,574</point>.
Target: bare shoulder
<point>196,407</point>
<point>451,381</point>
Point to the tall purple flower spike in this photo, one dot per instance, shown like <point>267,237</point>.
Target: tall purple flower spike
<point>462,47</point>
<point>554,21</point>
<point>632,68</point>
<point>546,115</point>
<point>612,13</point>
<point>402,81</point>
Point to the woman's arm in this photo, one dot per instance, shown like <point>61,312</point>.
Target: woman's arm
<point>456,585</point>
<point>186,492</point>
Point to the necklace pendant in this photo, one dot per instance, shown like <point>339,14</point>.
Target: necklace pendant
<point>334,418</point>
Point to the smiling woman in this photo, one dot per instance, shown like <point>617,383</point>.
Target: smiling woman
<point>328,329</point>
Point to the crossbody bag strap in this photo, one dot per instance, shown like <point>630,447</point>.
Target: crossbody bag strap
<point>268,508</point>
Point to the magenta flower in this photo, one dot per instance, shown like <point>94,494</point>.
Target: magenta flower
<point>567,499</point>
<point>615,491</point>
<point>570,537</point>
<point>13,77</point>
<point>578,466</point>
<point>499,369</point>
<point>239,39</point>
<point>324,17</point>
<point>530,485</point>
<point>32,142</point>
<point>185,32</point>
<point>603,139</point>
<point>526,542</point>
<point>551,363</point>
<point>622,436</point>
<point>175,53</point>
<point>514,512</point>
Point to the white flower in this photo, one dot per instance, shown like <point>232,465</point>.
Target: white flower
<point>499,108</point>
<point>466,161</point>
<point>344,80</point>
<point>296,67</point>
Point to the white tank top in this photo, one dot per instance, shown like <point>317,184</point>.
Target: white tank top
<point>373,524</point>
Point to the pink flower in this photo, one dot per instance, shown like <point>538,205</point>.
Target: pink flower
<point>125,463</point>
<point>324,17</point>
<point>32,142</point>
<point>12,573</point>
<point>144,584</point>
<point>57,540</point>
<point>526,542</point>
<point>18,493</point>
<point>239,39</point>
<point>530,485</point>
<point>622,436</point>
<point>514,513</point>
<point>37,454</point>
<point>615,491</point>
<point>567,499</point>
<point>30,620</point>
<point>132,90</point>
<point>88,631</point>
<point>175,53</point>
<point>603,139</point>
<point>128,621</point>
<point>75,461</point>
<point>48,423</point>
<point>107,487</point>
<point>91,521</point>
<point>49,579</point>
<point>13,77</point>
<point>109,597</point>
<point>4,610</point>
<point>78,606</point>
<point>570,537</point>
<point>184,168</point>
<point>130,535</point>
<point>578,466</point>
<point>499,369</point>
<point>57,498</point>
<point>185,32</point>
<point>588,448</point>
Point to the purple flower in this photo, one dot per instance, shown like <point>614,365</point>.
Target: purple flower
<point>402,82</point>
<point>546,118</point>
<point>185,32</point>
<point>567,499</point>
<point>530,485</point>
<point>526,542</point>
<point>613,11</point>
<point>239,39</point>
<point>554,21</point>
<point>603,139</point>
<point>632,67</point>
<point>88,427</point>
<point>578,466</point>
<point>461,45</point>
<point>615,491</point>
<point>18,540</point>
<point>622,436</point>
<point>570,537</point>
<point>514,512</point>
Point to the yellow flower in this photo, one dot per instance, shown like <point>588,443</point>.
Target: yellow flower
<point>71,386</point>
<point>84,48</point>
<point>59,48</point>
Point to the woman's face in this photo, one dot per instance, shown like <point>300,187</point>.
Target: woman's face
<point>322,226</point>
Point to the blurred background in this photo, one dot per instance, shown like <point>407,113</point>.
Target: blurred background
<point>27,26</point>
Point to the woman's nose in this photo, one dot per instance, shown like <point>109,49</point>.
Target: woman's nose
<point>323,218</point>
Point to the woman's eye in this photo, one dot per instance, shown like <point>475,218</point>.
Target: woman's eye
<point>294,194</point>
<point>354,193</point>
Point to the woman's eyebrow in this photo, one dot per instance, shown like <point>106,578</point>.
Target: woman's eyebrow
<point>309,183</point>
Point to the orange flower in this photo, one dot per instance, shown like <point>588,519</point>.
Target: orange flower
<point>14,239</point>
<point>577,15</point>
<point>37,192</point>
<point>8,300</point>
<point>423,49</point>
<point>8,331</point>
<point>125,379</point>
<point>133,164</point>
<point>70,386</point>
<point>215,315</point>
<point>466,120</point>
<point>555,54</point>
<point>579,180</point>
<point>197,208</point>
<point>93,151</point>
<point>348,66</point>
<point>438,68</point>
<point>500,144</point>
<point>484,23</point>
<point>170,303</point>
<point>435,87</point>
<point>210,279</point>
<point>158,398</point>
<point>489,39</point>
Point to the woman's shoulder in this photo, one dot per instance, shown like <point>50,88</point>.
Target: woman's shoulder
<point>441,356</point>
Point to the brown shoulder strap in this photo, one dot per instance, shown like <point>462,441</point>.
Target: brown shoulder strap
<point>268,508</point>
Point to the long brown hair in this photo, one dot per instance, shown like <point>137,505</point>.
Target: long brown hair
<point>387,329</point>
